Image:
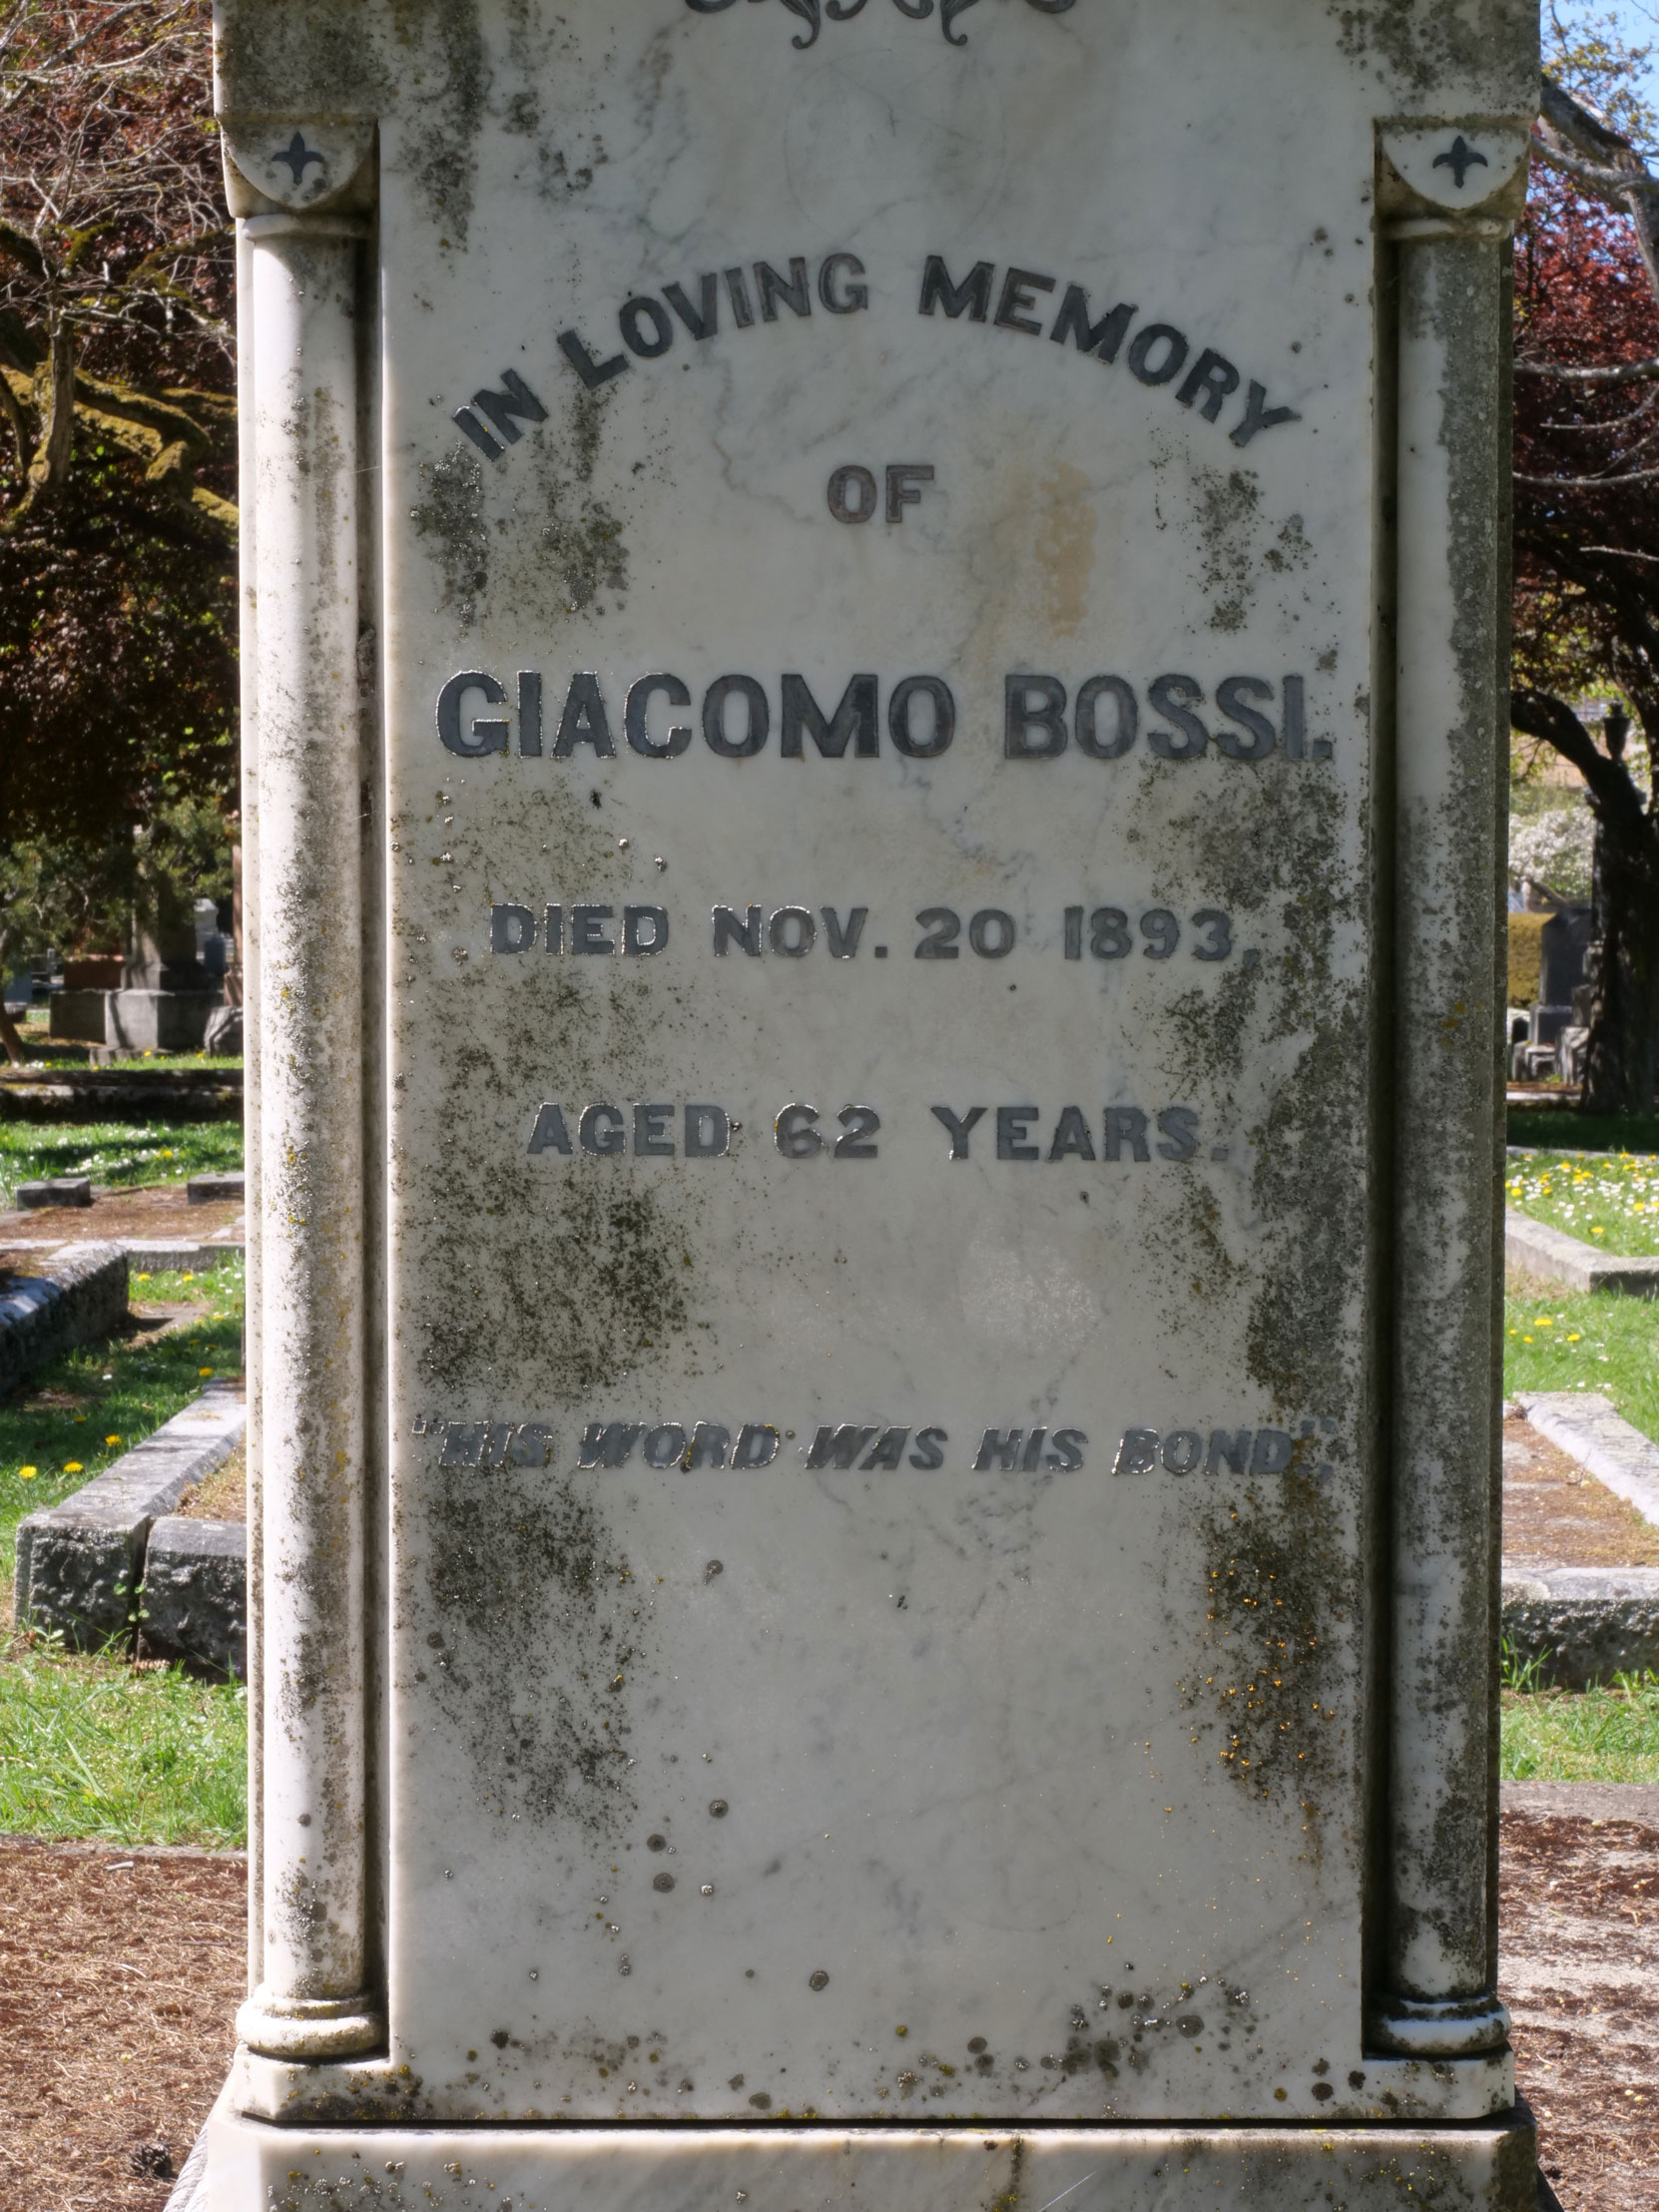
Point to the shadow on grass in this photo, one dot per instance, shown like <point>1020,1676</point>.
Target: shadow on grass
<point>1564,1129</point>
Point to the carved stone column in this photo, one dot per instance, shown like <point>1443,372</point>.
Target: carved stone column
<point>302,285</point>
<point>1449,720</point>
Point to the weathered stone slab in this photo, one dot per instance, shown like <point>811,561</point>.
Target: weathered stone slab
<point>56,1189</point>
<point>192,1604</point>
<point>1132,2169</point>
<point>205,1190</point>
<point>1587,1429</point>
<point>79,1563</point>
<point>1549,1254</point>
<point>80,1294</point>
<point>1583,1624</point>
<point>168,1254</point>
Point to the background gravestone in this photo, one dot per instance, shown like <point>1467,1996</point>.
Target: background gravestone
<point>874,693</point>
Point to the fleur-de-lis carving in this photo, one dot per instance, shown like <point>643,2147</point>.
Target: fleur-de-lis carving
<point>813,12</point>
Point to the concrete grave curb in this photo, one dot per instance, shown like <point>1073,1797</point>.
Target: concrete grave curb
<point>156,1255</point>
<point>79,1565</point>
<point>1587,1429</point>
<point>1584,1624</point>
<point>80,1294</point>
<point>1532,1248</point>
<point>194,1597</point>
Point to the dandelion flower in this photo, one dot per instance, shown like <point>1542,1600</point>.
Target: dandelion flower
<point>26,1474</point>
<point>203,1370</point>
<point>112,1440</point>
<point>1576,1337</point>
<point>73,1466</point>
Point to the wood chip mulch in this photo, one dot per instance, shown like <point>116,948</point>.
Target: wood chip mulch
<point>1578,1914</point>
<point>120,1974</point>
<point>224,1495</point>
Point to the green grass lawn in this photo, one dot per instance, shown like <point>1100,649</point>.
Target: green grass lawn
<point>96,1747</point>
<point>1607,1200</point>
<point>117,1152</point>
<point>1553,1341</point>
<point>74,1418</point>
<point>1603,1734</point>
<point>92,1747</point>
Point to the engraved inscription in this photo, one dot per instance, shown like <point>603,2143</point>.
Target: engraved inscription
<point>813,13</point>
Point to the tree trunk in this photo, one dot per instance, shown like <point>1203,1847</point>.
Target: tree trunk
<point>1621,1064</point>
<point>57,433</point>
<point>11,1038</point>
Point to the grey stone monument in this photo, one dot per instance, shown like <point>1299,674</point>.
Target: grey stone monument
<point>874,697</point>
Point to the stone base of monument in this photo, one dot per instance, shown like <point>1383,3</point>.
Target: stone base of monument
<point>1484,2167</point>
<point>135,1020</point>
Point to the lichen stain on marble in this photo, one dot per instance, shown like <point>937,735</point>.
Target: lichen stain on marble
<point>451,515</point>
<point>544,1713</point>
<point>1424,48</point>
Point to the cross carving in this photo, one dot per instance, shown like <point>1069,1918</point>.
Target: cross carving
<point>1460,157</point>
<point>299,156</point>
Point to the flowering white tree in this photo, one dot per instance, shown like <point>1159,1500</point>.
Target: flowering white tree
<point>1554,848</point>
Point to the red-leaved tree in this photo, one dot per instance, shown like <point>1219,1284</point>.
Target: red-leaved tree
<point>1586,540</point>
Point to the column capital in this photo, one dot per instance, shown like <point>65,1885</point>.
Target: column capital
<point>300,165</point>
<point>1467,174</point>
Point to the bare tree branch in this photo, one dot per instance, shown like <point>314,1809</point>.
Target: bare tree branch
<point>1594,379</point>
<point>1610,155</point>
<point>1588,483</point>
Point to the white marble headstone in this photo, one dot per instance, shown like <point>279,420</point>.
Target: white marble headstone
<point>918,1672</point>
<point>883,951</point>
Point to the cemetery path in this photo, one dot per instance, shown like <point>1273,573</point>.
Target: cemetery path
<point>1579,1930</point>
<point>120,1973</point>
<point>1557,1514</point>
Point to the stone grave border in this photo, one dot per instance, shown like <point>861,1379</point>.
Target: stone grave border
<point>1534,1249</point>
<point>1546,1255</point>
<point>79,1293</point>
<point>84,1566</point>
<point>1583,1624</point>
<point>69,1094</point>
<point>160,1255</point>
